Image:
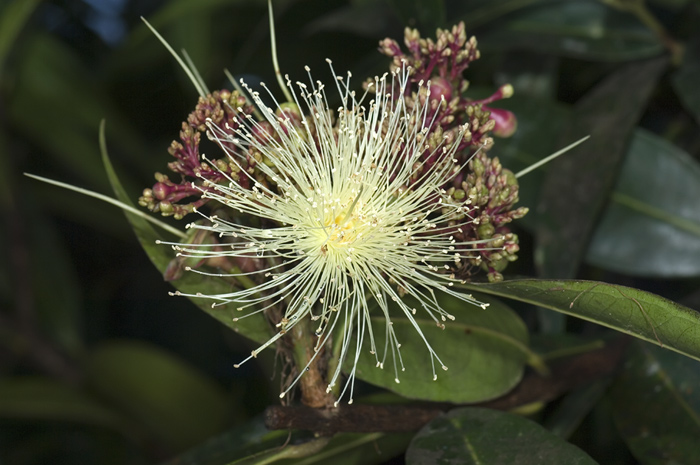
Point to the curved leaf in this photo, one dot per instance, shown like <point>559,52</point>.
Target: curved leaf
<point>485,352</point>
<point>580,29</point>
<point>40,398</point>
<point>173,400</point>
<point>479,436</point>
<point>651,227</point>
<point>667,428</point>
<point>631,311</point>
<point>254,327</point>
<point>685,79</point>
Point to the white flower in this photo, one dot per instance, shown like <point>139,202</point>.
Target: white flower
<point>355,213</point>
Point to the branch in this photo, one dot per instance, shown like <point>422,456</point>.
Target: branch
<point>566,374</point>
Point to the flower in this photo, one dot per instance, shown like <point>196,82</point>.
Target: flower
<point>344,207</point>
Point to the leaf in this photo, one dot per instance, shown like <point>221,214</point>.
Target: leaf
<point>651,226</point>
<point>426,14</point>
<point>13,17</point>
<point>484,350</point>
<point>254,327</point>
<point>578,29</point>
<point>687,76</point>
<point>656,406</point>
<point>540,123</point>
<point>479,436</point>
<point>638,313</point>
<point>577,185</point>
<point>252,443</point>
<point>38,398</point>
<point>176,402</point>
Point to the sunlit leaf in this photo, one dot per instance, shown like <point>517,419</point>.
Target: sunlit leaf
<point>656,405</point>
<point>485,352</point>
<point>651,226</point>
<point>478,436</point>
<point>631,311</point>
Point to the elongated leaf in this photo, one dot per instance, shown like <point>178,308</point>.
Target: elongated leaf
<point>485,352</point>
<point>577,185</point>
<point>631,311</point>
<point>656,405</point>
<point>685,79</point>
<point>651,226</point>
<point>254,327</point>
<point>252,443</point>
<point>478,436</point>
<point>176,402</point>
<point>37,398</point>
<point>581,29</point>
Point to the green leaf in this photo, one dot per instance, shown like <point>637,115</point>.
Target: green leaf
<point>578,184</point>
<point>540,124</point>
<point>485,352</point>
<point>173,400</point>
<point>13,17</point>
<point>656,406</point>
<point>37,398</point>
<point>685,79</point>
<point>427,14</point>
<point>479,436</point>
<point>631,311</point>
<point>579,29</point>
<point>252,443</point>
<point>651,226</point>
<point>254,327</point>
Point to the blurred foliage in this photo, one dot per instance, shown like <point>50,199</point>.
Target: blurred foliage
<point>98,364</point>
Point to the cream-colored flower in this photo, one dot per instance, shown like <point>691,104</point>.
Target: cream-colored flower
<point>351,218</point>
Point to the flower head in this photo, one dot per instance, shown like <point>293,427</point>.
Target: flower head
<point>349,208</point>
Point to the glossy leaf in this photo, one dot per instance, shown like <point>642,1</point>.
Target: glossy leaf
<point>638,313</point>
<point>485,352</point>
<point>540,123</point>
<point>651,226</point>
<point>579,29</point>
<point>254,327</point>
<point>656,405</point>
<point>37,398</point>
<point>578,184</point>
<point>479,436</point>
<point>176,402</point>
<point>685,79</point>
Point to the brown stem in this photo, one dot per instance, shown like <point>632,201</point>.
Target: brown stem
<point>566,374</point>
<point>313,383</point>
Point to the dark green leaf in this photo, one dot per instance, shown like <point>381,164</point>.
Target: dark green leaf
<point>630,311</point>
<point>574,407</point>
<point>578,183</point>
<point>478,436</point>
<point>424,14</point>
<point>485,351</point>
<point>540,123</point>
<point>177,403</point>
<point>254,327</point>
<point>651,227</point>
<point>656,404</point>
<point>37,398</point>
<point>685,79</point>
<point>252,443</point>
<point>13,16</point>
<point>580,29</point>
